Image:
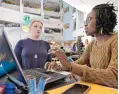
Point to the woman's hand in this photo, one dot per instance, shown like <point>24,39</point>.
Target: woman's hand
<point>61,56</point>
<point>53,66</point>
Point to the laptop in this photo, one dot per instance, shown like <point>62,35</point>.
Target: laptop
<point>10,68</point>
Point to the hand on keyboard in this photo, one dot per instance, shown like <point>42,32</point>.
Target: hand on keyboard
<point>53,66</point>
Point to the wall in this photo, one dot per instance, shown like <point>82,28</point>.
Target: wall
<point>79,24</point>
<point>67,18</point>
<point>9,15</point>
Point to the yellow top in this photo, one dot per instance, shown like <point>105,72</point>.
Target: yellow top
<point>94,89</point>
<point>103,62</point>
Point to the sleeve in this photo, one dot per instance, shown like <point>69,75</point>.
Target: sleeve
<point>18,51</point>
<point>84,59</point>
<point>108,76</point>
<point>49,57</point>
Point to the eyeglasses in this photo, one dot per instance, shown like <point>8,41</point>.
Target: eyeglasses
<point>88,20</point>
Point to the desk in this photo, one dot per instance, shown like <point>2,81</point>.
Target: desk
<point>95,89</point>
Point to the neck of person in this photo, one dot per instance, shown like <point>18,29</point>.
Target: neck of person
<point>102,38</point>
<point>34,37</point>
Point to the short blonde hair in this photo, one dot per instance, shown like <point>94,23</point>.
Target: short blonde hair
<point>34,20</point>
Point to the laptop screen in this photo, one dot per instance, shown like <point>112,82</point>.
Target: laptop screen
<point>9,66</point>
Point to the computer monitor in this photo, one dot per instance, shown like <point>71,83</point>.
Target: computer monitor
<point>9,66</point>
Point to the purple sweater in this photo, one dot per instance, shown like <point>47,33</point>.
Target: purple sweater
<point>32,53</point>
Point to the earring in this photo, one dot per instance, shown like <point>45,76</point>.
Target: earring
<point>101,31</point>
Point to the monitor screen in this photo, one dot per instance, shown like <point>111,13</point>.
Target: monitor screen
<point>9,66</point>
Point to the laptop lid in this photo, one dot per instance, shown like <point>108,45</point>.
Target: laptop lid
<point>9,65</point>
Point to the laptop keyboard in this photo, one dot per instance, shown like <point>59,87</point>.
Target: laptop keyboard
<point>38,75</point>
<point>54,75</point>
<point>49,76</point>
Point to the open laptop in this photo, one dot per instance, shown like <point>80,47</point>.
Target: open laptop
<point>11,69</point>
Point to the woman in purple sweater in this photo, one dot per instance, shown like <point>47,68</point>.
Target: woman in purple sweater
<point>32,51</point>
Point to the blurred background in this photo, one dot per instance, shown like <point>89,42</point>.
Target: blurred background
<point>63,21</point>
